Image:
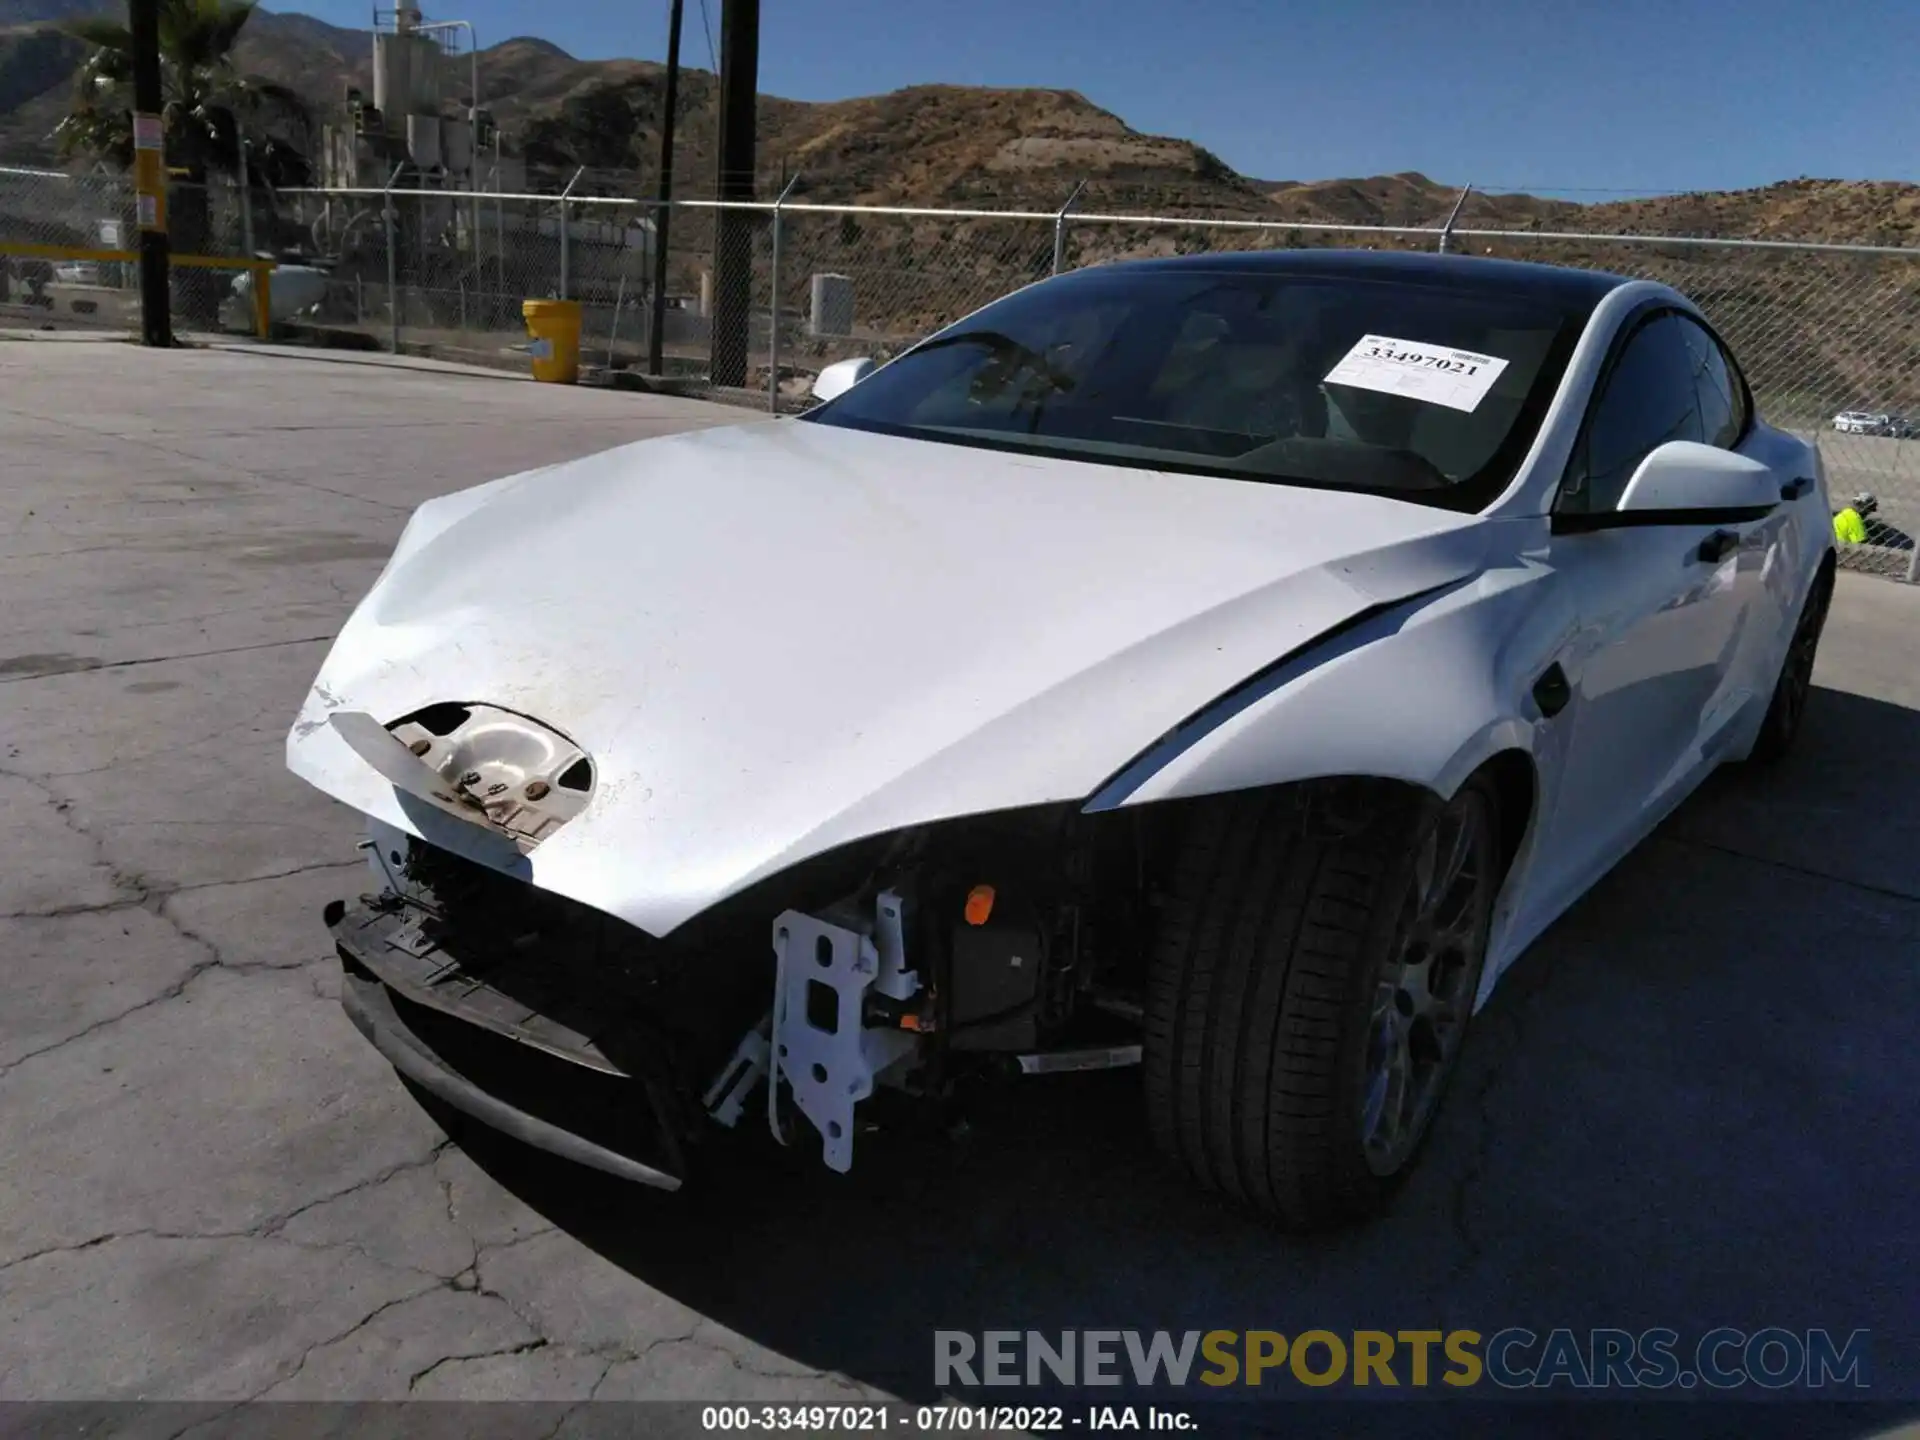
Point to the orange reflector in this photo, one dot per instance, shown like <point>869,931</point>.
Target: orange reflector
<point>979,904</point>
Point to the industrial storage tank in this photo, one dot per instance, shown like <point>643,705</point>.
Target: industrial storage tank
<point>407,68</point>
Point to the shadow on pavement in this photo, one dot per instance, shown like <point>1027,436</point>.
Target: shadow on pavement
<point>1672,1113</point>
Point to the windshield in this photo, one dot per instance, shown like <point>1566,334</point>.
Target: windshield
<point>1428,391</point>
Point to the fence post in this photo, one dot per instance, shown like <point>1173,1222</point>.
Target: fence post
<point>563,228</point>
<point>246,200</point>
<point>393,269</point>
<point>1446,232</point>
<point>773,312</point>
<point>613,329</point>
<point>1060,229</point>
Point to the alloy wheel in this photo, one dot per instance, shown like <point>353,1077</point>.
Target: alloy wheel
<point>1425,994</point>
<point>1796,682</point>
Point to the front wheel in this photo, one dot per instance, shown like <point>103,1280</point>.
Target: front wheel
<point>1787,707</point>
<point>1310,992</point>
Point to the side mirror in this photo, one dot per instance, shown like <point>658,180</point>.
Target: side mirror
<point>1686,475</point>
<point>841,376</point>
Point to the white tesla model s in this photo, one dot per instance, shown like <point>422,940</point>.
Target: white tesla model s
<point>1225,664</point>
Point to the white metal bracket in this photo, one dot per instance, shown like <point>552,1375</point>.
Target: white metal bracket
<point>829,1059</point>
<point>727,1096</point>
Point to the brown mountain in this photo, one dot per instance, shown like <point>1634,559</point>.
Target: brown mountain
<point>928,145</point>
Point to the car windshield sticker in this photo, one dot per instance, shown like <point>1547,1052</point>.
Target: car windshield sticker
<point>1437,374</point>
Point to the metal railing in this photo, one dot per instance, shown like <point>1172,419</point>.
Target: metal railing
<point>1820,328</point>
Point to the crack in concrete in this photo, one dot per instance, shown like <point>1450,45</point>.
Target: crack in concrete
<point>155,901</point>
<point>539,1342</point>
<point>346,1334</point>
<point>271,1228</point>
<point>135,902</point>
<point>95,667</point>
<point>1806,872</point>
<point>63,808</point>
<point>140,892</point>
<point>172,992</point>
<point>275,1225</point>
<point>156,904</point>
<point>91,1243</point>
<point>696,1340</point>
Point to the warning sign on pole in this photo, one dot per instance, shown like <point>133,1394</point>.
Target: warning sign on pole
<point>150,172</point>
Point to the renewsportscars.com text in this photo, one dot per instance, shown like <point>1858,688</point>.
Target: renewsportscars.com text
<point>1514,1358</point>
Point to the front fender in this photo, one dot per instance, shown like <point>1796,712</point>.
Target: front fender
<point>1423,693</point>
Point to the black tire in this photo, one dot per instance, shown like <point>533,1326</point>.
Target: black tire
<point>1787,708</point>
<point>1266,1010</point>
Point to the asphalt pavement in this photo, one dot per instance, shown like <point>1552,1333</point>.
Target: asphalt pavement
<point>1691,1104</point>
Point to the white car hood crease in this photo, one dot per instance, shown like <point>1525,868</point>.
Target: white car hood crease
<point>777,638</point>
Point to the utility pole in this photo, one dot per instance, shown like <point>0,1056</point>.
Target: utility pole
<point>150,172</point>
<point>733,229</point>
<point>656,330</point>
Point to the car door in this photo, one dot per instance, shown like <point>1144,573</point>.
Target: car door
<point>1660,604</point>
<point>1771,556</point>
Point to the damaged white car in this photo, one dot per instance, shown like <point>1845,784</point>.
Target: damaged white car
<point>1227,664</point>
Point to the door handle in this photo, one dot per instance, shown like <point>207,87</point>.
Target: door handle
<point>1796,487</point>
<point>1717,546</point>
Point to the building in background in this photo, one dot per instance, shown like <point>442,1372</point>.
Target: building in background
<point>424,117</point>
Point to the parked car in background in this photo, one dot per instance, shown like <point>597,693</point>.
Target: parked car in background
<point>1861,422</point>
<point>77,272</point>
<point>293,290</point>
<point>1226,664</point>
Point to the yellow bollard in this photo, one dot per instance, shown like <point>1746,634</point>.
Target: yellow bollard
<point>262,301</point>
<point>555,328</point>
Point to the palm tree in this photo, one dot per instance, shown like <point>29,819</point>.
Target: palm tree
<point>207,99</point>
<point>209,105</point>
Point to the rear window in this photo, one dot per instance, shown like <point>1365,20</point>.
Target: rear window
<point>1428,391</point>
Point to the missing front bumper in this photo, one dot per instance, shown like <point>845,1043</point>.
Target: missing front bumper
<point>470,1040</point>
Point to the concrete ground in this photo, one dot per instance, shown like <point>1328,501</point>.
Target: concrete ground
<point>1690,1105</point>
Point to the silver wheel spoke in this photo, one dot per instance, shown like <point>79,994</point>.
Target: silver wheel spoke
<point>1458,850</point>
<point>1422,1000</point>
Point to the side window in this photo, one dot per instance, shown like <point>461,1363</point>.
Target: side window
<point>1742,395</point>
<point>1646,400</point>
<point>1723,408</point>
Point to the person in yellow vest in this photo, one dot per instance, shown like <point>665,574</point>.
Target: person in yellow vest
<point>1850,525</point>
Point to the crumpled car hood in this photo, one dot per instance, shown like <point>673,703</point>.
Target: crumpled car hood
<point>776,638</point>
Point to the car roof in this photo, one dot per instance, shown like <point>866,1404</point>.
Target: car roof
<point>1557,285</point>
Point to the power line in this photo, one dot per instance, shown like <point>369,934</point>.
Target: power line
<point>706,24</point>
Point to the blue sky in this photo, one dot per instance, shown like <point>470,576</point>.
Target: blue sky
<point>1567,95</point>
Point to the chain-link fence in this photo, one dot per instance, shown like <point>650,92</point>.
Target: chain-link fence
<point>52,226</point>
<point>66,243</point>
<point>754,299</point>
